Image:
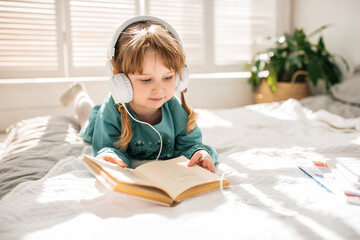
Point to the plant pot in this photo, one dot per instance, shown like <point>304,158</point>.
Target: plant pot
<point>284,90</point>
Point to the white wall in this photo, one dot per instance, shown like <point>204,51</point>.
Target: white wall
<point>344,15</point>
<point>22,99</point>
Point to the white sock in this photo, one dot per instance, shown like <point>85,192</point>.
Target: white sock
<point>83,105</point>
<point>82,102</point>
<point>69,96</point>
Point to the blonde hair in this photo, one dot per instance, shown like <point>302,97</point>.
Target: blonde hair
<point>130,50</point>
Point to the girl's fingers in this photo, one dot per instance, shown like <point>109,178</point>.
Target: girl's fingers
<point>194,159</point>
<point>114,160</point>
<point>212,167</point>
<point>121,163</point>
<point>203,160</point>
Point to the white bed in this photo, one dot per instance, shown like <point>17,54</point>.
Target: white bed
<point>48,194</point>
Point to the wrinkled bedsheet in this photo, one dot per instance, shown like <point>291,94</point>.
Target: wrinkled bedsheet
<point>268,196</point>
<point>34,146</point>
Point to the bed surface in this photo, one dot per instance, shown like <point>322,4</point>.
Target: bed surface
<point>258,145</point>
<point>34,146</point>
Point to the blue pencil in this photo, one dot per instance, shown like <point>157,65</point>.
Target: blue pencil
<point>328,190</point>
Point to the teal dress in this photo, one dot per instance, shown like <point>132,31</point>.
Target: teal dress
<point>104,129</point>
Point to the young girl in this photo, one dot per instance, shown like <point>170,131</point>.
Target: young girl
<point>152,124</point>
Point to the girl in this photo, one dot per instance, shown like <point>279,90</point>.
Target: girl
<point>152,124</point>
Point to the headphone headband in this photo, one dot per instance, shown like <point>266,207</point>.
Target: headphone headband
<point>142,18</point>
<point>120,85</point>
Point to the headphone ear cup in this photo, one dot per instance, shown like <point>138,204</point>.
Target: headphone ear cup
<point>121,88</point>
<point>181,85</point>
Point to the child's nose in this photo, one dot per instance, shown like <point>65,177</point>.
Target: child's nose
<point>157,88</point>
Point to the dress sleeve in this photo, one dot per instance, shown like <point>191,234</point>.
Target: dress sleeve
<point>107,130</point>
<point>187,144</point>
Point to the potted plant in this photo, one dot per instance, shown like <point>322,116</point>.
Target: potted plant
<point>284,70</point>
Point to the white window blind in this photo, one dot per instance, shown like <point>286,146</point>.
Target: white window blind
<point>66,38</point>
<point>187,17</point>
<point>29,38</point>
<point>92,24</point>
<point>219,35</point>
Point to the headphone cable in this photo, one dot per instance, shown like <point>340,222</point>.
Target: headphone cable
<point>148,124</point>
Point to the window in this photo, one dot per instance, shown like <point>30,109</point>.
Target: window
<point>28,38</point>
<point>187,17</point>
<point>69,38</point>
<point>91,26</point>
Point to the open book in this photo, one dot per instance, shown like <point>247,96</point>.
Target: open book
<point>166,182</point>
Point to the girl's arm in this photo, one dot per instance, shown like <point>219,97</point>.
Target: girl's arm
<point>190,144</point>
<point>107,130</point>
<point>187,144</point>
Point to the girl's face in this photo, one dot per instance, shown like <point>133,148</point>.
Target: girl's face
<point>153,87</point>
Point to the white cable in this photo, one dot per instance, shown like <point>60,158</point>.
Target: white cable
<point>225,173</point>
<point>161,142</point>
<point>228,199</point>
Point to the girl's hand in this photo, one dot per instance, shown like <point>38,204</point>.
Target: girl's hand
<point>113,158</point>
<point>203,159</point>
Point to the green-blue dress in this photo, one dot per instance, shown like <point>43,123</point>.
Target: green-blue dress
<point>104,129</point>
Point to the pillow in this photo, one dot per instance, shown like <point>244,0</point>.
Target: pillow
<point>34,146</point>
<point>348,91</point>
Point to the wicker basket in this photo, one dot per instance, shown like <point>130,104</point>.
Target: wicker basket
<point>284,90</point>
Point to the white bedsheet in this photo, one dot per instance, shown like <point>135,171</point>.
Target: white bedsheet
<point>269,197</point>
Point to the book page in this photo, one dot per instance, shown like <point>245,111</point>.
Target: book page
<point>126,175</point>
<point>174,176</point>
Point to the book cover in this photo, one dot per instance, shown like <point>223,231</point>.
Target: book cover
<point>165,181</point>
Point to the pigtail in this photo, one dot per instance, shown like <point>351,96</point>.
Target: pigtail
<point>126,130</point>
<point>191,124</point>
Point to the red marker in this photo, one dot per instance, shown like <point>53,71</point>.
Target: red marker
<point>320,164</point>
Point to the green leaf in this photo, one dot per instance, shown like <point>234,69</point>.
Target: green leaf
<point>333,73</point>
<point>295,58</point>
<point>299,36</point>
<point>315,71</point>
<point>277,63</point>
<point>321,45</point>
<point>320,29</point>
<point>271,80</point>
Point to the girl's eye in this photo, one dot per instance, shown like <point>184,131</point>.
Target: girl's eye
<point>169,78</point>
<point>145,80</point>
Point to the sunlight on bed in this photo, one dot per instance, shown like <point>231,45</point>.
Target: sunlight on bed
<point>267,201</point>
<point>23,138</point>
<point>208,119</point>
<point>356,141</point>
<point>85,189</point>
<point>322,231</point>
<point>260,159</point>
<point>287,110</point>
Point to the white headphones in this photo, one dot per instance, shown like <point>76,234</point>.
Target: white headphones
<point>120,86</point>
